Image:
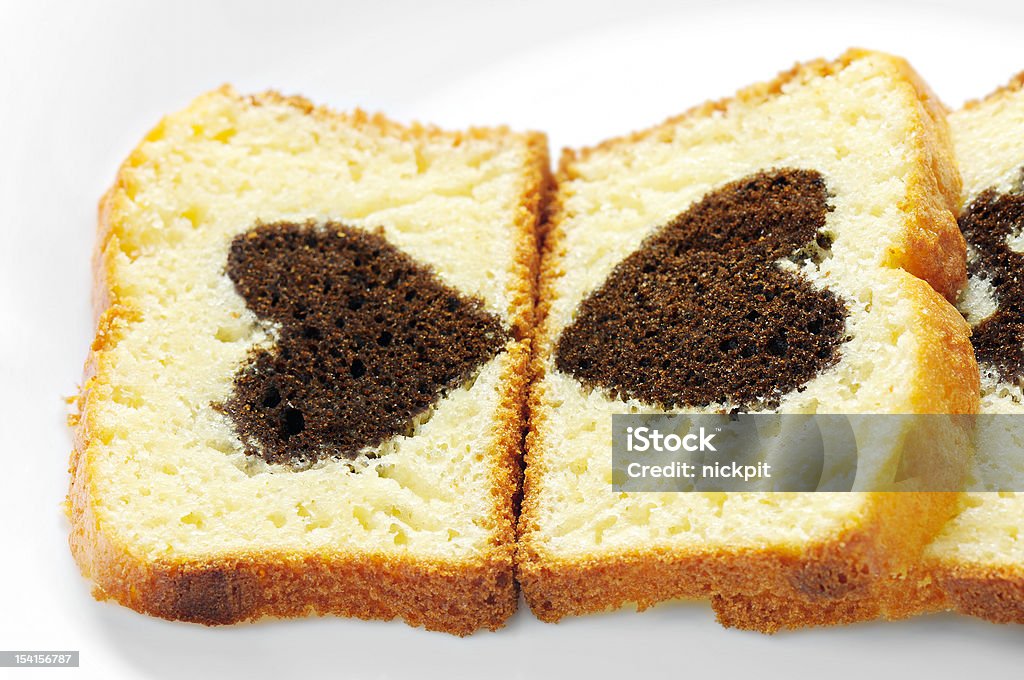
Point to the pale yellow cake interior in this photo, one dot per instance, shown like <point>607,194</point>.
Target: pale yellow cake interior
<point>855,128</point>
<point>168,476</point>
<point>989,141</point>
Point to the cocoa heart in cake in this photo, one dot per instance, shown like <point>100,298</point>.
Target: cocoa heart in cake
<point>367,340</point>
<point>703,314</point>
<point>986,224</point>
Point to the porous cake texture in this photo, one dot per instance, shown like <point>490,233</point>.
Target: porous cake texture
<point>306,389</point>
<point>787,249</point>
<point>976,564</point>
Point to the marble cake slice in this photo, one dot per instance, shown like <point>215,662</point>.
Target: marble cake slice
<point>791,249</point>
<point>306,390</point>
<point>976,564</point>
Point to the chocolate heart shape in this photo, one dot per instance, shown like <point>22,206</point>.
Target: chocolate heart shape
<point>702,314</point>
<point>368,340</point>
<point>986,224</point>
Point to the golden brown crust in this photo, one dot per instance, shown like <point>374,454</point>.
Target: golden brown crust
<point>556,587</point>
<point>457,598</point>
<point>933,249</point>
<point>750,96</point>
<point>454,596</point>
<point>1015,83</point>
<point>992,593</point>
<point>944,354</point>
<point>841,579</point>
<point>902,523</point>
<point>875,559</point>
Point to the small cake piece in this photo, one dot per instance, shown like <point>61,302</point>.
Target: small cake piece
<point>305,395</point>
<point>976,564</point>
<point>777,251</point>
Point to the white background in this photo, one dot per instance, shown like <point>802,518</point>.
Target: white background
<point>81,82</point>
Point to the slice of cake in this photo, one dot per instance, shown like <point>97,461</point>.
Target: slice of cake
<point>976,565</point>
<point>777,251</point>
<point>305,395</point>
